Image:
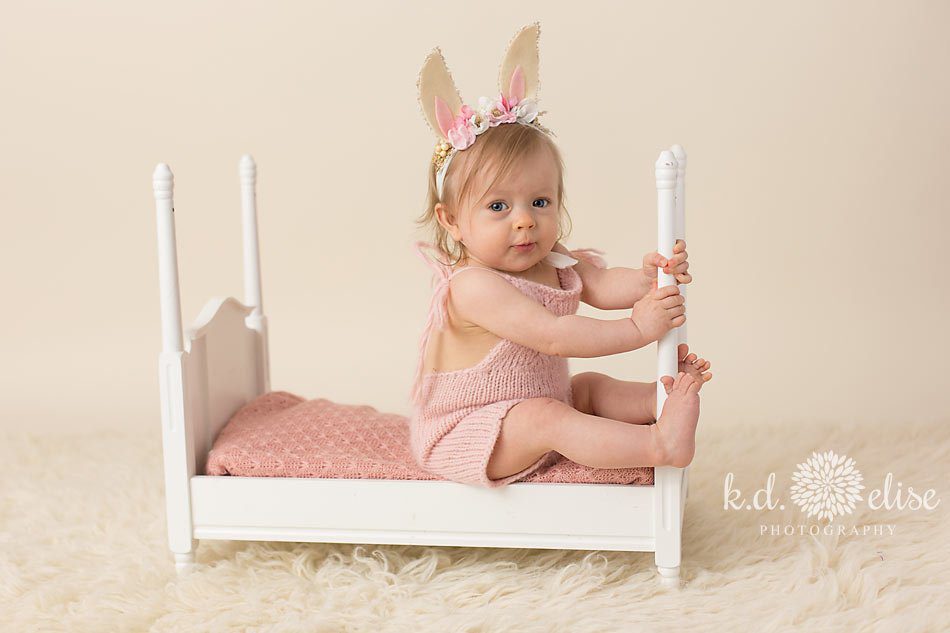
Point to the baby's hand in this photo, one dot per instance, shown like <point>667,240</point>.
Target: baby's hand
<point>675,265</point>
<point>659,311</point>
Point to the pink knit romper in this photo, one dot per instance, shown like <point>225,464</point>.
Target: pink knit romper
<point>457,415</point>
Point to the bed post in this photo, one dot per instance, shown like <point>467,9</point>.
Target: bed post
<point>679,231</point>
<point>667,508</point>
<point>177,436</point>
<point>252,262</point>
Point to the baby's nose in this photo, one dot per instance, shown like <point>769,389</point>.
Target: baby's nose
<point>524,220</point>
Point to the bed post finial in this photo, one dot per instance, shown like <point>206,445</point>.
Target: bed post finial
<point>252,261</point>
<point>163,185</point>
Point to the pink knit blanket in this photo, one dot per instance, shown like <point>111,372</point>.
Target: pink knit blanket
<point>279,434</point>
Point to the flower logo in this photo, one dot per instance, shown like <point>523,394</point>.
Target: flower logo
<point>827,485</point>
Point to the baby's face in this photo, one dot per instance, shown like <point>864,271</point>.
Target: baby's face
<point>521,208</point>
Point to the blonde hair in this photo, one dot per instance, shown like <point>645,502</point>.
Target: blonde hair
<point>500,149</point>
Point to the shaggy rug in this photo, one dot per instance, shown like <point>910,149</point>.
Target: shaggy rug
<point>83,548</point>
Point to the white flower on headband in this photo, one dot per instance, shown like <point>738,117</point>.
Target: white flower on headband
<point>479,122</point>
<point>527,110</point>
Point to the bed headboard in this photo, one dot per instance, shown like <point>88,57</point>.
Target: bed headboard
<point>224,369</point>
<point>221,362</point>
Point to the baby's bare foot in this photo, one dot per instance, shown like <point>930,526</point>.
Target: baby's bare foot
<point>675,431</point>
<point>696,367</point>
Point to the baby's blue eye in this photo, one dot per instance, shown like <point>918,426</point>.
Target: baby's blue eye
<point>546,203</point>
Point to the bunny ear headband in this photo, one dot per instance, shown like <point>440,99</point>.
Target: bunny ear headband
<point>457,125</point>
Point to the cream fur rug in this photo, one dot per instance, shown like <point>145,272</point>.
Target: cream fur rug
<point>82,548</point>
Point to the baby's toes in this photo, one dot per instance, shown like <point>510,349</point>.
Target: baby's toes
<point>667,383</point>
<point>682,350</point>
<point>702,380</point>
<point>695,386</point>
<point>686,380</point>
<point>704,368</point>
<point>678,382</point>
<point>693,367</point>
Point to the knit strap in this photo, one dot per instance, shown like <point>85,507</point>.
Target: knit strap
<point>438,312</point>
<point>587,254</point>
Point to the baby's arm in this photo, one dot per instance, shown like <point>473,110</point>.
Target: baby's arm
<point>494,304</point>
<point>612,288</point>
<point>609,288</point>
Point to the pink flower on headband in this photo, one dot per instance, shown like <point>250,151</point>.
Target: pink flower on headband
<point>461,134</point>
<point>499,111</point>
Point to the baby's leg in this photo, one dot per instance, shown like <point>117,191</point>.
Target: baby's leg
<point>601,395</point>
<point>535,426</point>
<point>633,402</point>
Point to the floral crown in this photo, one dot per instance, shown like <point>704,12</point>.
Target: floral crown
<point>516,103</point>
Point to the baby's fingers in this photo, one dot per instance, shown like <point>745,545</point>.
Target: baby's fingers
<point>654,259</point>
<point>678,259</point>
<point>676,266</point>
<point>672,300</point>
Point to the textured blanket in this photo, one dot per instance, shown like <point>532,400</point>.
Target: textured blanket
<point>279,434</point>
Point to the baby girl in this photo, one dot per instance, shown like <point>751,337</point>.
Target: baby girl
<point>493,399</point>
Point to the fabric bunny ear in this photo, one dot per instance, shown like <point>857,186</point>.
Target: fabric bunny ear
<point>438,97</point>
<point>518,74</point>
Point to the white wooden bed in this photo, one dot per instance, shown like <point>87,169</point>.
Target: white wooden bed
<point>220,363</point>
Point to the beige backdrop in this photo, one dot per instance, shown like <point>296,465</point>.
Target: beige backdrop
<point>817,194</point>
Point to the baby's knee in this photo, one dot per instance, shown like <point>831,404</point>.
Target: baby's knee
<point>528,423</point>
<point>581,389</point>
<point>544,418</point>
<point>536,410</point>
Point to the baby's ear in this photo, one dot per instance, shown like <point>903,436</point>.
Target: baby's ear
<point>518,75</point>
<point>438,97</point>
